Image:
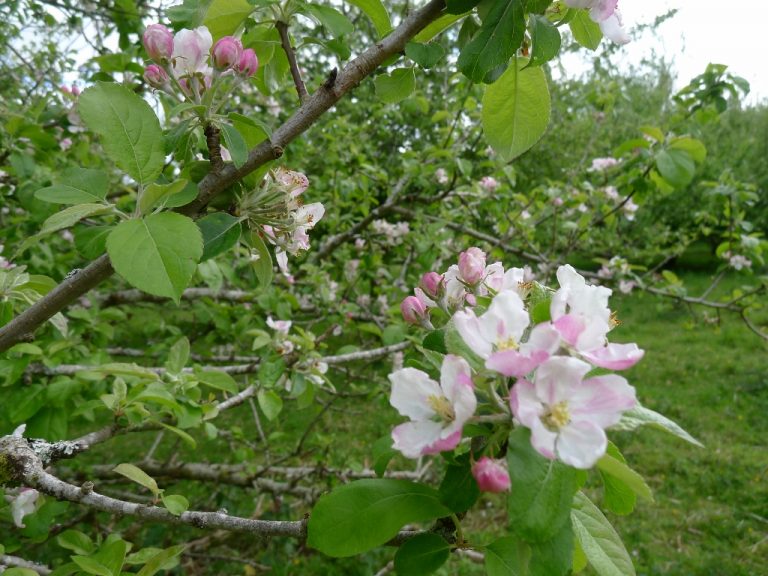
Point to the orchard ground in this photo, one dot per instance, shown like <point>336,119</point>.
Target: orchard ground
<point>710,514</point>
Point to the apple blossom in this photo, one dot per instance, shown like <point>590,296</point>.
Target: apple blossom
<point>432,284</point>
<point>472,265</point>
<point>279,326</point>
<point>294,183</point>
<point>23,504</point>
<point>491,475</point>
<point>602,164</point>
<point>629,209</point>
<point>158,42</point>
<point>489,183</point>
<point>155,76</point>
<point>566,414</point>
<point>190,52</point>
<point>738,262</point>
<point>438,412</point>
<point>226,52</point>
<point>626,286</point>
<point>441,176</point>
<point>248,63</point>
<point>414,311</point>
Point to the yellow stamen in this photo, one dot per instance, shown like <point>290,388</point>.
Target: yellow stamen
<point>614,320</point>
<point>508,344</point>
<point>442,406</point>
<point>557,417</point>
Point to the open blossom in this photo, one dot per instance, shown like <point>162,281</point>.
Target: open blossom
<point>191,51</point>
<point>566,414</point>
<point>279,326</point>
<point>496,336</point>
<point>581,316</point>
<point>489,183</point>
<point>607,16</point>
<point>23,505</point>
<point>295,183</point>
<point>738,262</point>
<point>629,209</point>
<point>441,176</point>
<point>438,412</point>
<point>491,475</point>
<point>602,164</point>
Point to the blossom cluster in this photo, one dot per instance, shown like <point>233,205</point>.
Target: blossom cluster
<point>276,209</point>
<point>189,60</point>
<point>607,16</point>
<point>549,362</point>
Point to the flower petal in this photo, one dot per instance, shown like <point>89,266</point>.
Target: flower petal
<point>543,440</point>
<point>413,438</point>
<point>470,330</point>
<point>557,378</point>
<point>581,444</point>
<point>615,356</point>
<point>525,405</point>
<point>456,381</point>
<point>411,390</point>
<point>601,400</point>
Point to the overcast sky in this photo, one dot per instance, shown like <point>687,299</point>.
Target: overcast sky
<point>704,31</point>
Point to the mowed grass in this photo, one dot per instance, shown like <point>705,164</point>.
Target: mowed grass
<point>710,515</point>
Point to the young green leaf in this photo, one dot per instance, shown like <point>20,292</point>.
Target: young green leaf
<point>129,130</point>
<point>396,86</point>
<point>218,380</point>
<point>221,232</point>
<point>139,476</point>
<point>508,556</point>
<point>375,10</point>
<point>545,38</point>
<point>178,355</point>
<point>362,515</point>
<point>163,560</point>
<point>585,31</point>
<point>235,143</point>
<point>263,265</point>
<point>158,193</point>
<point>421,555</point>
<point>642,416</point>
<point>175,503</point>
<point>76,186</point>
<point>157,254</point>
<point>270,403</point>
<point>224,17</point>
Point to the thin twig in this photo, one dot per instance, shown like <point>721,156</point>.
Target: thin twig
<point>290,53</point>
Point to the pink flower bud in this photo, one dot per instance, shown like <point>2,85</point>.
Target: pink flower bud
<point>65,89</point>
<point>472,265</point>
<point>413,310</point>
<point>155,76</point>
<point>158,42</point>
<point>557,201</point>
<point>432,284</point>
<point>226,52</point>
<point>491,475</point>
<point>248,63</point>
<point>75,90</point>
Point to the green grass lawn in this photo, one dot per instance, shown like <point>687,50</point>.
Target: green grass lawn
<point>710,515</point>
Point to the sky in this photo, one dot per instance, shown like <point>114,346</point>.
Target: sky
<point>705,31</point>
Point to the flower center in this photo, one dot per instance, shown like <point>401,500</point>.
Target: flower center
<point>442,406</point>
<point>557,417</point>
<point>614,320</point>
<point>508,344</point>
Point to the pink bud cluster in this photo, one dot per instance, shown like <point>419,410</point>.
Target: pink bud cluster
<point>190,58</point>
<point>547,362</point>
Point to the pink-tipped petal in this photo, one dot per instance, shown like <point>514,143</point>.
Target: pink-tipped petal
<point>525,405</point>
<point>602,400</point>
<point>543,440</point>
<point>558,377</point>
<point>411,390</point>
<point>442,444</point>
<point>513,363</point>
<point>468,326</point>
<point>615,356</point>
<point>570,328</point>
<point>413,439</point>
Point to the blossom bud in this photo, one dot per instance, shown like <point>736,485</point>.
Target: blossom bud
<point>472,265</point>
<point>75,90</point>
<point>413,310</point>
<point>248,63</point>
<point>226,52</point>
<point>432,284</point>
<point>491,475</point>
<point>158,42</point>
<point>489,183</point>
<point>155,76</point>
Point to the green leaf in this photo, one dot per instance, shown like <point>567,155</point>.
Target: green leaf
<point>76,541</point>
<point>617,496</point>
<point>508,556</point>
<point>91,566</point>
<point>157,193</point>
<point>435,341</point>
<point>221,232</point>
<point>138,475</point>
<point>77,185</point>
<point>459,490</point>
<point>516,110</point>
<point>545,38</point>
<point>619,470</point>
<point>382,452</point>
<point>375,10</point>
<point>263,265</point>
<point>585,31</point>
<point>396,86</point>
<point>236,145</point>
<point>16,571</point>
<point>157,254</point>
<point>599,541</point>
<point>694,148</point>
<point>71,216</point>
<point>129,130</point>
<point>422,554</point>
<point>178,355</point>
<point>499,38</point>
<point>91,241</point>
<point>540,502</point>
<point>175,503</point>
<point>642,416</point>
<point>553,557</point>
<point>160,560</point>
<point>223,17</point>
<point>362,515</point>
<point>217,379</point>
<point>270,403</point>
<point>437,26</point>
<point>112,554</point>
<point>425,55</point>
<point>676,166</point>
<point>191,442</point>
<point>336,23</point>
<point>460,6</point>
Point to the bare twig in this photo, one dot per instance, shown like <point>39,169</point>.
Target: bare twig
<point>290,53</point>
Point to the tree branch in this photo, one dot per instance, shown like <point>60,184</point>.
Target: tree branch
<point>23,326</point>
<point>9,561</point>
<point>285,41</point>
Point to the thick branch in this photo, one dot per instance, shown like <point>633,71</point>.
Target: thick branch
<point>24,325</point>
<point>9,561</point>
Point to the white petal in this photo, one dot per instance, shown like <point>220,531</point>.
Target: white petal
<point>543,440</point>
<point>601,400</point>
<point>525,405</point>
<point>557,377</point>
<point>468,326</point>
<point>411,390</point>
<point>412,438</point>
<point>456,381</point>
<point>506,318</point>
<point>613,30</point>
<point>581,444</point>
